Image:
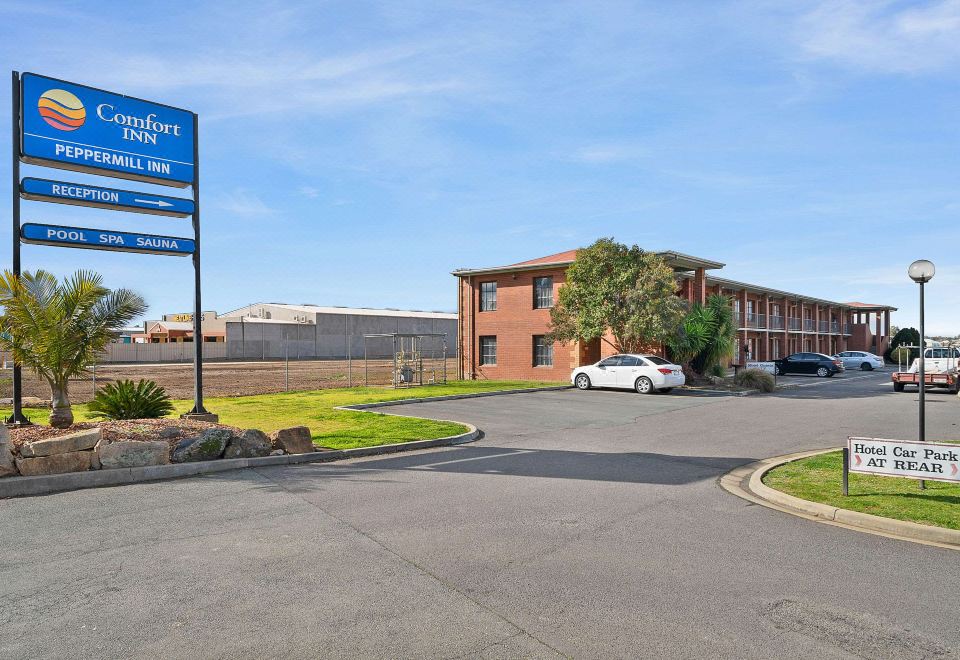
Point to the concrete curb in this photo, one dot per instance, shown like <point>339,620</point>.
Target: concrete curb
<point>747,482</point>
<point>53,483</point>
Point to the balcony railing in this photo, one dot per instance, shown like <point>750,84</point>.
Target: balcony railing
<point>776,323</point>
<point>808,325</point>
<point>823,327</point>
<point>847,329</point>
<point>793,325</point>
<point>756,321</point>
<point>835,327</point>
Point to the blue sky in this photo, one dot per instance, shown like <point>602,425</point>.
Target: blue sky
<point>354,153</point>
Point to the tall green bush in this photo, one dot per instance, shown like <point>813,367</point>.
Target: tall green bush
<point>706,335</point>
<point>904,337</point>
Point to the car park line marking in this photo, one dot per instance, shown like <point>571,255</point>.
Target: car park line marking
<point>430,466</point>
<point>827,381</point>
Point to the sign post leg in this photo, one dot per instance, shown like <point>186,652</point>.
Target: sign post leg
<point>198,409</point>
<point>846,471</point>
<point>17,416</point>
<point>923,411</point>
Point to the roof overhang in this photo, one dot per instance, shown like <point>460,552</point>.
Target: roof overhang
<point>677,260</point>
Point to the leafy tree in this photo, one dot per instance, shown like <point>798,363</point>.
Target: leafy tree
<point>706,336</point>
<point>57,329</point>
<point>620,289</point>
<point>904,337</point>
<point>129,400</point>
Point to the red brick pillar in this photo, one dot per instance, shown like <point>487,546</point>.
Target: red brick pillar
<point>700,286</point>
<point>879,347</point>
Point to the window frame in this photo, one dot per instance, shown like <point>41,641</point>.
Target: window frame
<point>481,354</point>
<point>483,298</point>
<point>536,291</point>
<point>547,347</point>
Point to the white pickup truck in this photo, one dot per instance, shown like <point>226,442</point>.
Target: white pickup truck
<point>939,370</point>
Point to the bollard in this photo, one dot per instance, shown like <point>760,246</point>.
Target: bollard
<point>846,471</point>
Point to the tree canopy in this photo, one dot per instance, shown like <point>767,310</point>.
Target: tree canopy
<point>622,289</point>
<point>57,328</point>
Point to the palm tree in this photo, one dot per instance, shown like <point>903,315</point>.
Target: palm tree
<point>57,329</point>
<point>706,336</point>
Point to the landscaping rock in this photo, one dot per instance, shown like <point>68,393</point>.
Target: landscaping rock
<point>294,440</point>
<point>74,461</point>
<point>62,444</point>
<point>277,452</point>
<point>170,432</point>
<point>133,453</point>
<point>8,467</point>
<point>249,444</point>
<point>207,446</point>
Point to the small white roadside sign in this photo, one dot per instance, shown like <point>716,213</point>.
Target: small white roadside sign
<point>938,461</point>
<point>769,367</point>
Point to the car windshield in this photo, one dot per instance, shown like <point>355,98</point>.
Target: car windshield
<point>653,359</point>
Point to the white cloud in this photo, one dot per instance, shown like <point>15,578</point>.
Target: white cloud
<point>243,202</point>
<point>885,37</point>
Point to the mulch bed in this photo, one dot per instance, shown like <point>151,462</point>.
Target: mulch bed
<point>171,430</point>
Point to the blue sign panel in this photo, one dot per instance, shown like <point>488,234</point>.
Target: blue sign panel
<point>81,194</point>
<point>80,128</point>
<point>105,239</point>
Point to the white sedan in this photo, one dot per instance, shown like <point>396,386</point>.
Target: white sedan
<point>644,373</point>
<point>860,360</point>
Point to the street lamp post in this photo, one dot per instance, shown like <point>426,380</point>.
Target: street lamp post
<point>921,271</point>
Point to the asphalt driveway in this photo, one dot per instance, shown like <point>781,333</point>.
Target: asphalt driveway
<point>585,524</point>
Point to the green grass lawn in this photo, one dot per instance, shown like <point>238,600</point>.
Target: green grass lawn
<point>338,429</point>
<point>819,479</point>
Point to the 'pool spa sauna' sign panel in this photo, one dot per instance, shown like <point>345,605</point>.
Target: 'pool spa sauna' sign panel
<point>81,128</point>
<point>937,461</point>
<point>105,239</point>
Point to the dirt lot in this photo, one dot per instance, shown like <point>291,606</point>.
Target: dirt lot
<point>232,378</point>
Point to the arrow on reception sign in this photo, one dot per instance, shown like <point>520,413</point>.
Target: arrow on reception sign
<point>105,239</point>
<point>81,194</point>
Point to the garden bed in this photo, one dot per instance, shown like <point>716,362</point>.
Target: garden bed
<point>170,430</point>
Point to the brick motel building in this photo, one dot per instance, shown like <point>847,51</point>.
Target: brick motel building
<point>504,315</point>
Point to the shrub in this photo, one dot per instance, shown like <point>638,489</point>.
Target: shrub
<point>902,355</point>
<point>717,370</point>
<point>756,379</point>
<point>129,400</point>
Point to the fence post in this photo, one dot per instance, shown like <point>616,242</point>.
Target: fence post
<point>286,365</point>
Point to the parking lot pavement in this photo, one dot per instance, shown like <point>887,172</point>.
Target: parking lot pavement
<point>583,524</point>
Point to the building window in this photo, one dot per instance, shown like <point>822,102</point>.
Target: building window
<point>542,292</point>
<point>488,296</point>
<point>542,351</point>
<point>488,351</point>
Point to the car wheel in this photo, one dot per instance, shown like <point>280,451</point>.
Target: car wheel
<point>582,382</point>
<point>778,370</point>
<point>866,366</point>
<point>643,385</point>
<point>666,390</point>
<point>823,372</point>
<point>898,387</point>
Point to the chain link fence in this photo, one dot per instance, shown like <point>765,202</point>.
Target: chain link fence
<point>224,378</point>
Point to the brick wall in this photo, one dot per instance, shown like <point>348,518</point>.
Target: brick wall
<point>514,323</point>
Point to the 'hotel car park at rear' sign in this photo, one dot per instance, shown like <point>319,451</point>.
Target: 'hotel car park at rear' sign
<point>936,461</point>
<point>105,239</point>
<point>81,128</point>
<point>82,194</point>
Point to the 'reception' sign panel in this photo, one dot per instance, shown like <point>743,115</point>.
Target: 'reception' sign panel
<point>937,461</point>
<point>82,194</point>
<point>81,128</point>
<point>105,239</point>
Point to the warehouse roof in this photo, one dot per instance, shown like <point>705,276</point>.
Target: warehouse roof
<point>359,311</point>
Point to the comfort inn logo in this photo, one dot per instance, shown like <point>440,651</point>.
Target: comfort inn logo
<point>61,109</point>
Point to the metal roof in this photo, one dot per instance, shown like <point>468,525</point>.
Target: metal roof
<point>359,311</point>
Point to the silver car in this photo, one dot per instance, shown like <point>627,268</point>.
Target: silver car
<point>860,360</point>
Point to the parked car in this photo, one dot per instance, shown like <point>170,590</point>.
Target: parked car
<point>860,360</point>
<point>809,363</point>
<point>644,373</point>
